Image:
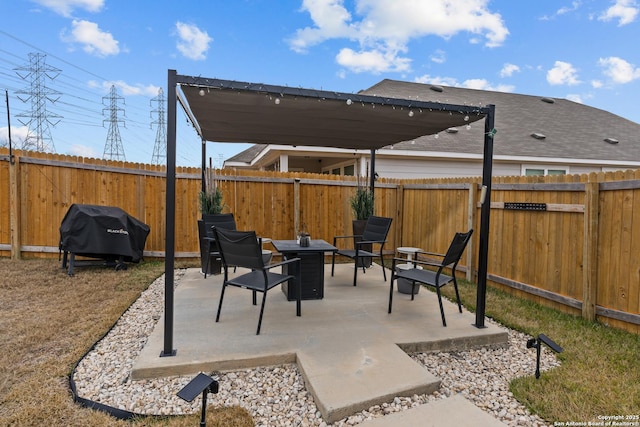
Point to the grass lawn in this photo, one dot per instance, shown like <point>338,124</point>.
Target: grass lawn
<point>600,371</point>
<point>49,321</point>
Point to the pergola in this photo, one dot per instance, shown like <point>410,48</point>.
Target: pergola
<point>232,111</point>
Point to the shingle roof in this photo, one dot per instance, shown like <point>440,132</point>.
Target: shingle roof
<point>571,130</point>
<point>248,155</point>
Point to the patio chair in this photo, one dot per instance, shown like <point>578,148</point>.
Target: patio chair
<point>420,273</point>
<point>242,249</point>
<point>226,221</point>
<point>375,232</point>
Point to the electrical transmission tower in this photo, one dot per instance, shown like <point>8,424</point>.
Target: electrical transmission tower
<point>160,148</point>
<point>38,119</point>
<point>113,149</point>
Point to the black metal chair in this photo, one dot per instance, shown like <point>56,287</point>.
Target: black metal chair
<point>435,279</point>
<point>243,249</point>
<point>375,233</point>
<point>226,221</point>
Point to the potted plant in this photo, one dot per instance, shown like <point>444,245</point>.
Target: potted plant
<point>362,207</point>
<point>211,203</point>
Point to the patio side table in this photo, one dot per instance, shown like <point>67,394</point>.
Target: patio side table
<point>404,286</point>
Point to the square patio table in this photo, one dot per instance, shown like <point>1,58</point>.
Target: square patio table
<point>311,267</point>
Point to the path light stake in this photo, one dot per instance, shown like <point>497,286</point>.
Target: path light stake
<point>536,343</point>
<point>200,384</point>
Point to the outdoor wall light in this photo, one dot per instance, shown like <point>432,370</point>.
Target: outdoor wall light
<point>349,101</point>
<point>410,113</point>
<point>277,101</point>
<point>200,384</point>
<point>201,92</point>
<point>536,343</point>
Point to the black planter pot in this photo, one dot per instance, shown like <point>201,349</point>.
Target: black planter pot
<point>215,267</point>
<point>358,228</point>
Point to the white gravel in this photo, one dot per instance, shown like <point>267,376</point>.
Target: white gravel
<point>276,396</point>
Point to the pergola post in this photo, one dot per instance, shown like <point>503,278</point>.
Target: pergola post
<point>170,223</point>
<point>483,253</point>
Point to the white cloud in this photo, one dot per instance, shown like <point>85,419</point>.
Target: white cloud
<point>18,136</point>
<point>82,151</point>
<point>193,43</point>
<point>66,7</point>
<point>508,70</point>
<point>562,11</point>
<point>384,28</point>
<point>575,98</point>
<point>375,61</point>
<point>125,88</point>
<point>619,70</point>
<point>562,73</point>
<point>481,84</point>
<point>94,41</point>
<point>444,81</point>
<point>625,11</point>
<point>596,84</point>
<point>439,57</point>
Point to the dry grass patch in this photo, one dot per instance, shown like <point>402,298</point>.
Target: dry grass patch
<point>49,320</point>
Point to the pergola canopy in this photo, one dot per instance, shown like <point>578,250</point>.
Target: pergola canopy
<point>231,111</point>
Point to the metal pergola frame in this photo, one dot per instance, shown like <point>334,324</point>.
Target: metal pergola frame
<point>231,111</point>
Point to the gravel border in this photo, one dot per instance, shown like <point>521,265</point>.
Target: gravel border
<point>276,395</point>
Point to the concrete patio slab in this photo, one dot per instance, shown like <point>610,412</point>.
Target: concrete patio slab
<point>453,411</point>
<point>351,352</point>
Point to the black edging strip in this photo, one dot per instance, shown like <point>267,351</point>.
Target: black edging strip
<point>88,403</point>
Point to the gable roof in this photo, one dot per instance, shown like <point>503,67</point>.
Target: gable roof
<point>571,130</point>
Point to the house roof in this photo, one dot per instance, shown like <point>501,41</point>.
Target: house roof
<point>231,111</point>
<point>571,130</point>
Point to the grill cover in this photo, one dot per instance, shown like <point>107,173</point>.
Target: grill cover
<point>102,232</point>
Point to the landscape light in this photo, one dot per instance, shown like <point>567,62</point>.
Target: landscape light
<point>200,384</point>
<point>535,343</point>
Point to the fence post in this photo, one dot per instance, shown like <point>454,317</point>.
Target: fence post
<point>14,202</point>
<point>399,215</point>
<point>590,255</point>
<point>296,206</point>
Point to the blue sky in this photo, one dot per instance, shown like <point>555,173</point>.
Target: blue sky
<point>585,51</point>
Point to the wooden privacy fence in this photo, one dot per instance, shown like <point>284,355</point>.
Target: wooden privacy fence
<point>572,241</point>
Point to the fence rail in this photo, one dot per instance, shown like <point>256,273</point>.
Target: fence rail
<point>571,242</point>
